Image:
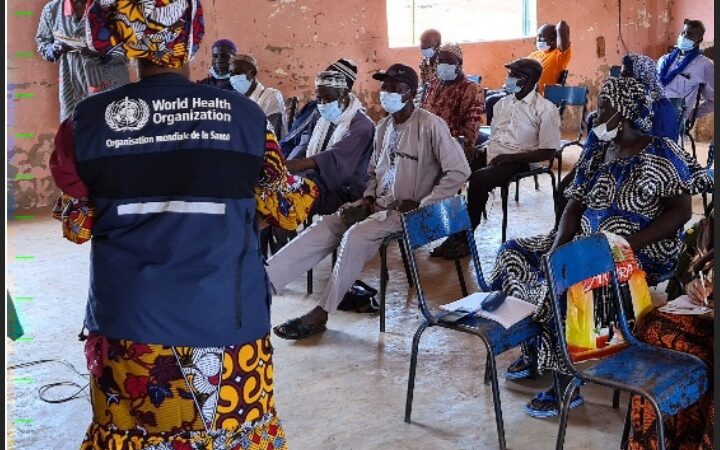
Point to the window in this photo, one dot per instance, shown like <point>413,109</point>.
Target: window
<point>460,20</point>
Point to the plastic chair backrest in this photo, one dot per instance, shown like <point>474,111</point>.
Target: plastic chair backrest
<point>431,223</point>
<point>572,263</point>
<point>477,79</point>
<point>566,95</point>
<point>615,71</point>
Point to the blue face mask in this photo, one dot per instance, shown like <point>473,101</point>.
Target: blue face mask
<point>330,111</point>
<point>542,46</point>
<point>391,101</point>
<point>447,72</point>
<point>427,52</point>
<point>511,85</point>
<point>240,83</point>
<point>685,44</point>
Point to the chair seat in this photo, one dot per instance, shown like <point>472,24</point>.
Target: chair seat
<point>500,339</point>
<point>532,172</point>
<point>675,380</point>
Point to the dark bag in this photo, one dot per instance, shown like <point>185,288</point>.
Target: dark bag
<point>360,298</point>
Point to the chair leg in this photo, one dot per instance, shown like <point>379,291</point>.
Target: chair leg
<point>383,284</point>
<point>616,399</point>
<point>504,196</point>
<point>413,366</point>
<point>660,424</point>
<point>626,428</point>
<point>564,409</point>
<point>556,198</point>
<point>309,281</point>
<point>488,376</point>
<point>517,190</point>
<point>496,397</point>
<point>692,144</point>
<point>559,158</point>
<point>461,277</point>
<point>537,183</point>
<point>406,264</point>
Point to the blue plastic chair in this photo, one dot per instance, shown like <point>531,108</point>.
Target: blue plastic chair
<point>562,97</point>
<point>669,380</point>
<point>427,225</point>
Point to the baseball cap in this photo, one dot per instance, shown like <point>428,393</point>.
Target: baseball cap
<point>401,73</point>
<point>528,66</point>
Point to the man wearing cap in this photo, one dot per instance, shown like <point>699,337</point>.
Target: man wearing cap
<point>222,52</point>
<point>455,99</point>
<point>415,162</point>
<point>430,42</point>
<point>244,79</point>
<point>178,298</point>
<point>526,130</point>
<point>553,52</point>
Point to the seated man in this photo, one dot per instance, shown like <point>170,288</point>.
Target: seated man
<point>430,42</point>
<point>244,70</point>
<point>683,70</point>
<point>416,162</point>
<point>223,51</point>
<point>526,130</point>
<point>553,52</point>
<point>338,151</point>
<point>455,99</point>
<point>306,118</point>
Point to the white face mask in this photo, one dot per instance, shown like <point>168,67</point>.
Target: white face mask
<point>427,52</point>
<point>446,72</point>
<point>511,85</point>
<point>602,132</point>
<point>391,101</point>
<point>240,83</point>
<point>542,46</point>
<point>330,111</point>
<point>685,44</point>
<point>218,76</point>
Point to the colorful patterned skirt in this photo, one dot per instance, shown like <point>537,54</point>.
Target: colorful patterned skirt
<point>692,428</point>
<point>156,397</point>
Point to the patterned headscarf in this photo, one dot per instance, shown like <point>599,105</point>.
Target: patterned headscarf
<point>452,48</point>
<point>166,32</point>
<point>644,69</point>
<point>630,98</point>
<point>331,78</point>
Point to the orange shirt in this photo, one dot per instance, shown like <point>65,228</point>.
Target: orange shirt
<point>553,63</point>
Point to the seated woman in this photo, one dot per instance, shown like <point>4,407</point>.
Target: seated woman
<point>628,183</point>
<point>693,427</point>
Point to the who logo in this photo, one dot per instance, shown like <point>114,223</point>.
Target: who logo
<point>127,114</point>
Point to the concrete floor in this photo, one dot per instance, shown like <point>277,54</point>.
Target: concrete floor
<point>342,390</point>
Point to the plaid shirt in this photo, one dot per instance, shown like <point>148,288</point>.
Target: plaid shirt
<point>460,104</point>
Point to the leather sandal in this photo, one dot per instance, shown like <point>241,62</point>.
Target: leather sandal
<point>296,329</point>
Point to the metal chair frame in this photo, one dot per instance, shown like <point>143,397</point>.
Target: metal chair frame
<point>434,222</point>
<point>566,266</point>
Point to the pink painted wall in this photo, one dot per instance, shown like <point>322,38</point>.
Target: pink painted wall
<point>695,9</point>
<point>293,39</point>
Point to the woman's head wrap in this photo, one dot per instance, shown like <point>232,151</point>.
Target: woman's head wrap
<point>165,32</point>
<point>644,69</point>
<point>630,98</point>
<point>331,78</point>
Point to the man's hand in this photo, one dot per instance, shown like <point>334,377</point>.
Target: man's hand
<point>404,206</point>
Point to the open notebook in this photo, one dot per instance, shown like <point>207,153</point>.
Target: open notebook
<point>512,311</point>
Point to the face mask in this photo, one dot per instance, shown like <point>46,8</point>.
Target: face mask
<point>391,101</point>
<point>602,132</point>
<point>542,46</point>
<point>511,85</point>
<point>330,111</point>
<point>240,83</point>
<point>427,52</point>
<point>685,44</point>
<point>218,76</point>
<point>447,72</point>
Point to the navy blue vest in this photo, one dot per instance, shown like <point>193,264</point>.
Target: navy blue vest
<point>171,166</point>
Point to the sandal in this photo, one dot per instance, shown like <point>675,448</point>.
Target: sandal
<point>459,250</point>
<point>522,368</point>
<point>545,404</point>
<point>296,329</point>
<point>442,249</point>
